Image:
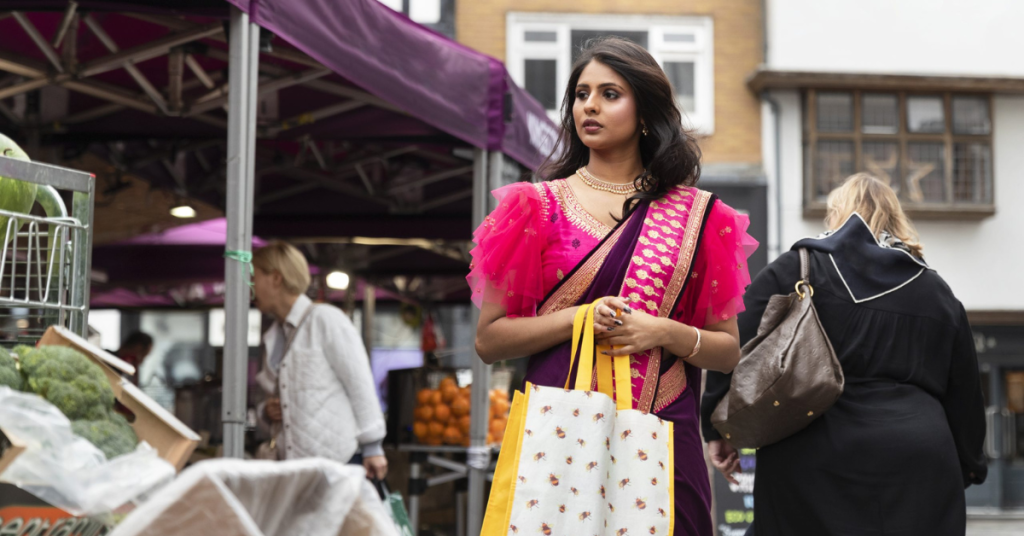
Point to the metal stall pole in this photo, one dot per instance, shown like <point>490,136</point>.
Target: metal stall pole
<point>242,80</point>
<point>479,457</point>
<point>369,316</point>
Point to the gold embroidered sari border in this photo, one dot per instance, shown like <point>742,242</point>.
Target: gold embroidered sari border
<point>686,253</point>
<point>672,384</point>
<point>673,381</point>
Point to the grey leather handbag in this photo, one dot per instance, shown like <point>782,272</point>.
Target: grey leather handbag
<point>788,375</point>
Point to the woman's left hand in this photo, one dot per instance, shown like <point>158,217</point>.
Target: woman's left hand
<point>376,467</point>
<point>632,332</point>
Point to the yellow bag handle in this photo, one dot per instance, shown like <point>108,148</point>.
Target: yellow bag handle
<point>583,331</point>
<point>586,366</point>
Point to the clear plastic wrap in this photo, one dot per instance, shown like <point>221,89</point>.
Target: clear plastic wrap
<point>67,471</point>
<point>310,496</point>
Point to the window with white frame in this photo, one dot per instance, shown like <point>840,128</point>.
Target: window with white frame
<point>542,46</point>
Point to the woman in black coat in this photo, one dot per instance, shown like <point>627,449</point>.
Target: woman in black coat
<point>896,451</point>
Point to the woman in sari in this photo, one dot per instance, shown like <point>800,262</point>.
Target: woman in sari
<point>625,225</point>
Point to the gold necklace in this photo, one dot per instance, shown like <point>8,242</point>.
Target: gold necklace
<point>598,184</point>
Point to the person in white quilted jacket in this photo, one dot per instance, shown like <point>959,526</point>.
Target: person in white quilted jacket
<point>322,400</point>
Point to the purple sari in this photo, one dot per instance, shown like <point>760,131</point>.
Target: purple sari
<point>608,271</point>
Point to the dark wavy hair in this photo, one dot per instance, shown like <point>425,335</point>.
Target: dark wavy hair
<point>669,153</point>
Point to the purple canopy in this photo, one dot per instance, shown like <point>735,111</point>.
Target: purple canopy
<point>205,233</point>
<point>445,84</point>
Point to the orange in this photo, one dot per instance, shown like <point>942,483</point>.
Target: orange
<point>464,424</point>
<point>465,441</point>
<point>497,427</point>
<point>433,441</point>
<point>449,392</point>
<point>442,412</point>
<point>460,406</point>
<point>446,382</point>
<point>499,407</point>
<point>452,435</point>
<point>435,397</point>
<point>420,430</point>
<point>426,413</point>
<point>436,429</point>
<point>466,391</point>
<point>490,439</point>
<point>423,397</point>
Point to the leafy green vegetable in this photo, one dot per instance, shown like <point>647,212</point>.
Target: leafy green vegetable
<point>69,381</point>
<point>9,374</point>
<point>79,389</point>
<point>15,195</point>
<point>114,436</point>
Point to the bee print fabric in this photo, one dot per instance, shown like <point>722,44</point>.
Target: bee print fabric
<point>584,468</point>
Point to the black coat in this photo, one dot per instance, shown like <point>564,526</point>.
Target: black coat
<point>896,451</point>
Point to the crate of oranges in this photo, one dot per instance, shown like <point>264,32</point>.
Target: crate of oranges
<point>442,414</point>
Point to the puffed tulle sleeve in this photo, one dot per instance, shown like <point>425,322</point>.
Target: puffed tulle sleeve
<point>506,265</point>
<point>720,273</point>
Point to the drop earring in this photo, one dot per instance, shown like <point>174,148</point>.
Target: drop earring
<point>645,131</point>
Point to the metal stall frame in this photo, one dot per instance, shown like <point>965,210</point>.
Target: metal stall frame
<point>243,81</point>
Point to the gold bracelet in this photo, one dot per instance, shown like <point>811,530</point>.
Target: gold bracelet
<point>696,347</point>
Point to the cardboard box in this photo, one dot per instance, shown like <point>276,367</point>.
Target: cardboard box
<point>24,513</point>
<point>153,424</point>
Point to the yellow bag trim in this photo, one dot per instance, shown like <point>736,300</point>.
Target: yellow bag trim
<point>498,514</point>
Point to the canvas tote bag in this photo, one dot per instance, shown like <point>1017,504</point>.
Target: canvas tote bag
<point>576,461</point>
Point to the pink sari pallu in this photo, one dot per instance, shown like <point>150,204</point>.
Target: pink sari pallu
<point>577,461</point>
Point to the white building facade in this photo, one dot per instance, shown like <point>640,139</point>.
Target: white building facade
<point>929,95</point>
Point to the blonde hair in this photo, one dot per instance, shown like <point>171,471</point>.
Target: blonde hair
<point>286,260</point>
<point>878,204</point>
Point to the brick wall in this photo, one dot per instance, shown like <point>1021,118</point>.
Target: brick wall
<point>738,51</point>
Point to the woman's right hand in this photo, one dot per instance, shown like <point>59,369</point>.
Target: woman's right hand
<point>606,312</point>
<point>273,409</point>
<point>725,458</point>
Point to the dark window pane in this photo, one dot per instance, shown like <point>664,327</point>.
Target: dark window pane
<point>970,115</point>
<point>972,173</point>
<point>882,159</point>
<point>835,112</point>
<point>540,37</point>
<point>880,114</point>
<point>540,82</point>
<point>832,164</point>
<point>925,115</point>
<point>580,38</point>
<point>680,73</point>
<point>926,173</point>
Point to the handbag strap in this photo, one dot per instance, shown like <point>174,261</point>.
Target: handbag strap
<point>288,341</point>
<point>805,274</point>
<point>302,320</point>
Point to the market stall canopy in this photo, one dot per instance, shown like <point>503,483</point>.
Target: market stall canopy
<point>366,120</point>
<point>372,143</point>
<point>181,266</point>
<point>444,83</point>
<point>205,233</point>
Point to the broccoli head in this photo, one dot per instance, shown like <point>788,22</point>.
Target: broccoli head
<point>114,436</point>
<point>80,390</point>
<point>67,379</point>
<point>9,374</point>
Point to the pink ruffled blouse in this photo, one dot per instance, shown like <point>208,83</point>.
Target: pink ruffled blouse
<point>540,232</point>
